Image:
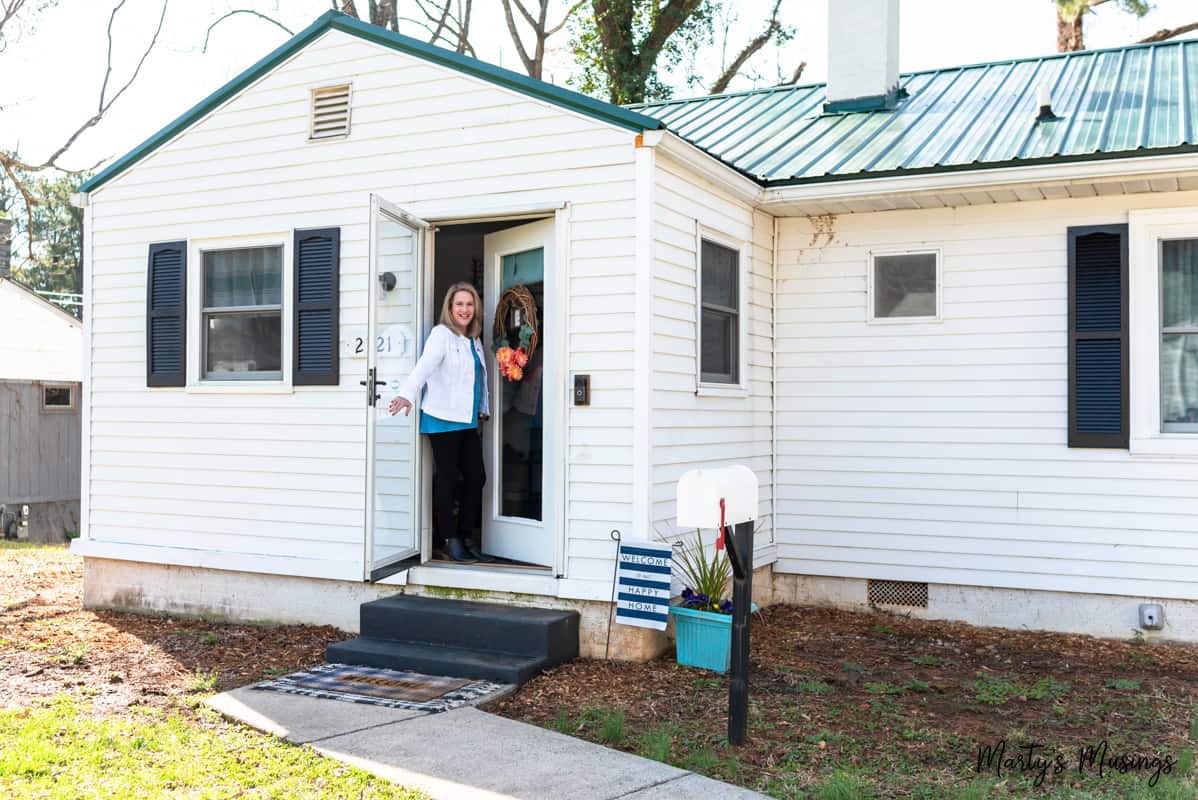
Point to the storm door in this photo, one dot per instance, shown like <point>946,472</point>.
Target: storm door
<point>393,447</point>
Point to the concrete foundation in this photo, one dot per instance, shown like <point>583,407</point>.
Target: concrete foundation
<point>1111,616</point>
<point>252,597</point>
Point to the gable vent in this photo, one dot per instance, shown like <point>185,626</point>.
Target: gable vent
<point>330,112</point>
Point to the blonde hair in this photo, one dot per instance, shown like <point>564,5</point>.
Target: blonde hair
<point>475,328</point>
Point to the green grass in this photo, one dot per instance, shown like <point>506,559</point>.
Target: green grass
<point>612,729</point>
<point>655,744</point>
<point>1122,683</point>
<point>997,691</point>
<point>841,786</point>
<point>59,751</point>
<point>814,687</point>
<point>202,681</point>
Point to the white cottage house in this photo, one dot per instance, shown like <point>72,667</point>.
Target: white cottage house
<point>950,320</point>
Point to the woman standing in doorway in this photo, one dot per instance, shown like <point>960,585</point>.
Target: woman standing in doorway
<point>454,371</point>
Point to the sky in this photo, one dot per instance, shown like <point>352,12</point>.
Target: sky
<point>51,73</point>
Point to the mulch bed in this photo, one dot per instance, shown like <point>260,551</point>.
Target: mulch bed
<point>50,644</point>
<point>905,701</point>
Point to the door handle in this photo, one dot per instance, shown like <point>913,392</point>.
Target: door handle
<point>371,383</point>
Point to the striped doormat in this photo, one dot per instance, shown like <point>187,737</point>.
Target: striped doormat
<point>382,687</point>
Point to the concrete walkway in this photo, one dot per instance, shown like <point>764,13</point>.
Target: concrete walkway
<point>466,754</point>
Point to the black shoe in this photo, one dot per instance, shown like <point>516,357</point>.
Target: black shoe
<point>456,551</point>
<point>479,555</point>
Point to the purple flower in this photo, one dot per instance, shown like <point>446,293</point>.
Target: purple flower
<point>726,607</point>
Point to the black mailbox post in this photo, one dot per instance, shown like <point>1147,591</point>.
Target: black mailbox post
<point>739,541</point>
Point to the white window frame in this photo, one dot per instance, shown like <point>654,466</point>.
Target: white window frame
<point>196,381</point>
<point>1146,230</point>
<point>72,406</point>
<point>871,270</point>
<point>743,250</point>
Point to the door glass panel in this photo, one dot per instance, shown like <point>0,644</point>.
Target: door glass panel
<point>397,259</point>
<point>521,415</point>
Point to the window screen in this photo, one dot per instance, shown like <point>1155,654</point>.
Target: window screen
<point>904,286</point>
<point>719,353</point>
<point>1179,335</point>
<point>242,314</point>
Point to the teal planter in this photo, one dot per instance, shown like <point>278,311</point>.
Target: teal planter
<point>703,638</point>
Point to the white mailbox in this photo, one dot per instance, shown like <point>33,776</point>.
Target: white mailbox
<point>700,491</point>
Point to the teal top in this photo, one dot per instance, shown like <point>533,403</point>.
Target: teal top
<point>431,424</point>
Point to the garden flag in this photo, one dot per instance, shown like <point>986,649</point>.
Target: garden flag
<point>643,584</point>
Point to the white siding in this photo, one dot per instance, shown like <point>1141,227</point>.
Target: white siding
<point>936,451</point>
<point>38,341</point>
<point>692,430</point>
<point>282,475</point>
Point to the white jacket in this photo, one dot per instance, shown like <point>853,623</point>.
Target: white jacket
<point>447,368</point>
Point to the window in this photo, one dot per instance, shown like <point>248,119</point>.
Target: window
<point>242,314</point>
<point>1163,332</point>
<point>1179,335</point>
<point>904,286</point>
<point>57,398</point>
<point>719,350</point>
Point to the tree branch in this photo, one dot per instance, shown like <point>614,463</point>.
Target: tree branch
<point>574,8</point>
<point>798,73</point>
<point>242,11</point>
<point>1169,33</point>
<point>750,49</point>
<point>515,33</point>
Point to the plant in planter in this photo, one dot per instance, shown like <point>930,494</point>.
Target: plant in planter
<point>703,621</point>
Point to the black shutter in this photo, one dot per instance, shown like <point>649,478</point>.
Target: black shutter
<point>1098,393</point>
<point>317,359</point>
<point>166,315</point>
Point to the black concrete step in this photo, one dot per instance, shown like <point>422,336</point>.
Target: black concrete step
<point>433,659</point>
<point>550,634</point>
<point>460,638</point>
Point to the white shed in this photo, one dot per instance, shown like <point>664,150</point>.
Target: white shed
<point>893,304</point>
<point>41,356</point>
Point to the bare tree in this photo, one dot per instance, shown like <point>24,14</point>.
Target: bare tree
<point>234,13</point>
<point>18,170</point>
<point>773,28</point>
<point>1169,33</point>
<point>9,10</point>
<point>534,64</point>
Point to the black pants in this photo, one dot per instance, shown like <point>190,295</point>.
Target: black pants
<point>457,457</point>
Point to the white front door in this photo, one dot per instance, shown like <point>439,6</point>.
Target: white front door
<point>519,519</point>
<point>393,449</point>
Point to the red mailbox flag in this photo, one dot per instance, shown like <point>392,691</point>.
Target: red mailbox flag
<point>719,539</point>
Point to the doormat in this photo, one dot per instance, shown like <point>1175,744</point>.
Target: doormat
<point>382,687</point>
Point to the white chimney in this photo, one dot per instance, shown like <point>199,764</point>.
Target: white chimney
<point>863,42</point>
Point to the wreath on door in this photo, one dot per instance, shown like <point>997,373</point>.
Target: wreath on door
<point>516,311</point>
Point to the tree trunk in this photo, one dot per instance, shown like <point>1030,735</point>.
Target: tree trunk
<point>1070,34</point>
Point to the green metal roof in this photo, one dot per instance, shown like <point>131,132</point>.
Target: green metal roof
<point>1129,101</point>
<point>335,20</point>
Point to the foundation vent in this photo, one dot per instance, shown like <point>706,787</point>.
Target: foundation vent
<point>330,112</point>
<point>907,594</point>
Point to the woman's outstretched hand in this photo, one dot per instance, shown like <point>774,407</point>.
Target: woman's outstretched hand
<point>398,404</point>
